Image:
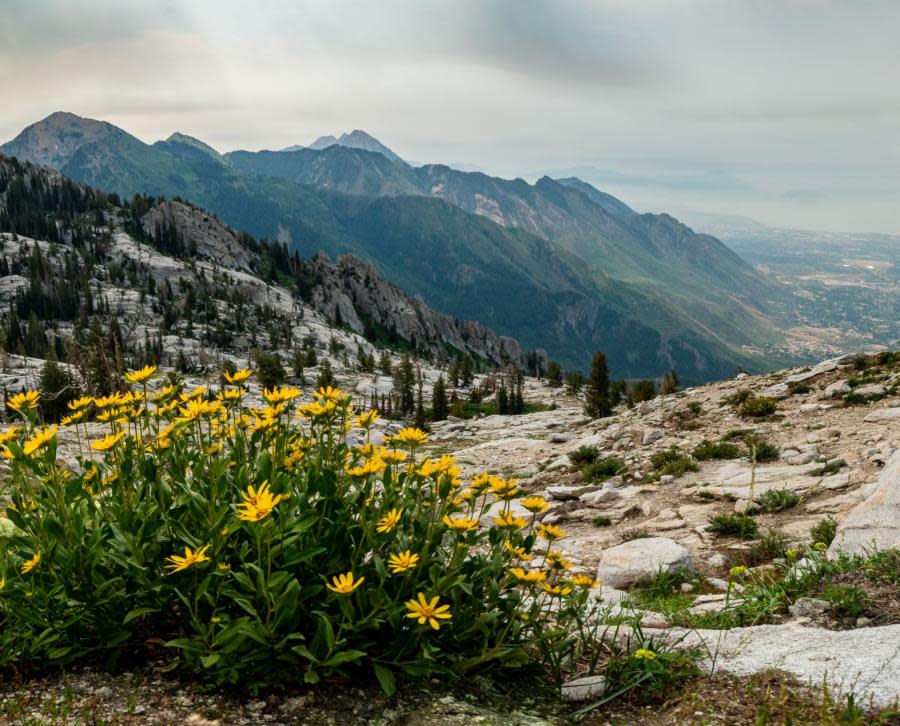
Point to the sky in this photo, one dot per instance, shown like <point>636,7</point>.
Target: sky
<point>784,111</point>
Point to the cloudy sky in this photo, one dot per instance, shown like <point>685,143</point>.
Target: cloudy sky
<point>786,111</point>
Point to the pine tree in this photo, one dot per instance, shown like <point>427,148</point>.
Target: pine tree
<point>466,374</point>
<point>326,375</point>
<point>669,383</point>
<point>596,404</point>
<point>502,401</point>
<point>404,381</point>
<point>384,362</point>
<point>439,405</point>
<point>420,404</point>
<point>554,374</point>
<point>453,372</point>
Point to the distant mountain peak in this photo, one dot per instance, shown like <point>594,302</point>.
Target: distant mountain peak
<point>180,138</point>
<point>323,142</point>
<point>356,139</point>
<point>53,140</point>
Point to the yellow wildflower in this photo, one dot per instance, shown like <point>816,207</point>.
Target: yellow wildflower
<point>586,581</point>
<point>738,571</point>
<point>198,392</point>
<point>403,561</point>
<point>411,435</point>
<point>230,395</point>
<point>105,444</point>
<point>11,433</point>
<point>556,590</point>
<point>644,654</point>
<point>528,576</point>
<point>281,395</point>
<point>481,483</point>
<point>504,490</point>
<point>461,524</point>
<point>344,584</point>
<point>190,558</point>
<point>394,457</point>
<point>389,521</point>
<point>39,440</point>
<point>72,418</point>
<point>368,467</point>
<point>518,552</point>
<point>508,520</point>
<point>365,420</point>
<point>164,392</point>
<point>196,409</point>
<point>536,504</point>
<point>26,399</point>
<point>425,611</point>
<point>237,377</point>
<point>330,394</point>
<point>29,565</point>
<point>79,403</point>
<point>140,376</point>
<point>257,505</point>
<point>558,561</point>
<point>551,532</point>
<point>114,399</point>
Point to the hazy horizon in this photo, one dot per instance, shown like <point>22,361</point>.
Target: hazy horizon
<point>783,112</point>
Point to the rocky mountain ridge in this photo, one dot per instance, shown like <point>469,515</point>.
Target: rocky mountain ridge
<point>704,321</point>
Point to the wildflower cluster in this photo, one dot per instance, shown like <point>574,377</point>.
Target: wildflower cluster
<point>248,537</point>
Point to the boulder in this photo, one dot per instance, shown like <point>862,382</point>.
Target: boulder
<point>883,414</point>
<point>837,389</point>
<point>651,436</point>
<point>583,689</point>
<point>625,564</point>
<point>874,524</point>
<point>564,493</point>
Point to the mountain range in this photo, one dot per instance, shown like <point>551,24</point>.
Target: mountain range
<point>556,264</point>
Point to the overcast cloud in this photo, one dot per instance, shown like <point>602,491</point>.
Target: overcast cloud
<point>786,111</point>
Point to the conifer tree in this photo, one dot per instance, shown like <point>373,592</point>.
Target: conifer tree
<point>439,404</point>
<point>596,404</point>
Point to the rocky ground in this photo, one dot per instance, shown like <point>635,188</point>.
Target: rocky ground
<point>840,460</point>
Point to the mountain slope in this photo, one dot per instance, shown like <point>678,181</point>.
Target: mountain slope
<point>189,255</point>
<point>699,275</point>
<point>467,265</point>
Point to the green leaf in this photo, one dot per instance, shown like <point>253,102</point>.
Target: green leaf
<point>138,612</point>
<point>344,656</point>
<point>209,660</point>
<point>386,679</point>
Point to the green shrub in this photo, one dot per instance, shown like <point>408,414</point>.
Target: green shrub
<point>719,450</point>
<point>846,600</point>
<point>258,550</point>
<point>741,526</point>
<point>774,500</point>
<point>601,520</point>
<point>758,406</point>
<point>828,469</point>
<point>824,530</point>
<point>603,469</point>
<point>673,462</point>
<point>855,399</point>
<point>796,389</point>
<point>584,455</point>
<point>769,547</point>
<point>737,398</point>
<point>737,434</point>
<point>760,450</point>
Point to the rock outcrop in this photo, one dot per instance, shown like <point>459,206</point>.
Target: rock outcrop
<point>351,292</point>
<point>875,523</point>
<point>197,232</point>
